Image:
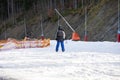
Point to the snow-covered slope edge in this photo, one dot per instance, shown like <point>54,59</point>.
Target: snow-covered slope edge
<point>81,61</point>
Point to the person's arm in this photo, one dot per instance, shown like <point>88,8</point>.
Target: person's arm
<point>64,35</point>
<point>56,35</point>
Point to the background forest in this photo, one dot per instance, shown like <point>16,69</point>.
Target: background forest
<point>20,18</point>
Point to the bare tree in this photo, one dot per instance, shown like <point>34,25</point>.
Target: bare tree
<point>75,2</point>
<point>12,10</point>
<point>62,3</point>
<point>8,8</point>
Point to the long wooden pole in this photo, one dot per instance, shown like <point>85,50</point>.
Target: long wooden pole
<point>118,17</point>
<point>118,33</point>
<point>85,21</point>
<point>65,20</point>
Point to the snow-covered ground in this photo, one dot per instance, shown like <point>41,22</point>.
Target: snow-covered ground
<point>81,61</point>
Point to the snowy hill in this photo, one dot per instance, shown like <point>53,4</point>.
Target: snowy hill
<point>81,61</point>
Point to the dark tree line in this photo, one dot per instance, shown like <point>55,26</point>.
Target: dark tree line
<point>9,8</point>
<point>16,11</point>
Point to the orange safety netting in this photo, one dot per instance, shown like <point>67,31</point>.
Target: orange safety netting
<point>25,43</point>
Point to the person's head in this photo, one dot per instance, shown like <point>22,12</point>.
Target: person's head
<point>59,28</point>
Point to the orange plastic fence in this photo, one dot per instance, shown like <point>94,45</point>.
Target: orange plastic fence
<point>2,42</point>
<point>25,43</point>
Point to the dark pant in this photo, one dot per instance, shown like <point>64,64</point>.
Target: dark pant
<point>62,46</point>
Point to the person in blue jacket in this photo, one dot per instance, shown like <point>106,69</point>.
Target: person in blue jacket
<point>60,37</point>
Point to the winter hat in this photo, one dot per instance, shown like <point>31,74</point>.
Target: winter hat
<point>59,28</point>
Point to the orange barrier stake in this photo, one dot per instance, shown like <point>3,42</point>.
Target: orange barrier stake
<point>85,38</point>
<point>118,37</point>
<point>75,36</point>
<point>42,37</point>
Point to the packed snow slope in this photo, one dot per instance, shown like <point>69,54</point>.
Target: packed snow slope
<point>81,61</point>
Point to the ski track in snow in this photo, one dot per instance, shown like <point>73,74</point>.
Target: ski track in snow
<point>80,61</point>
